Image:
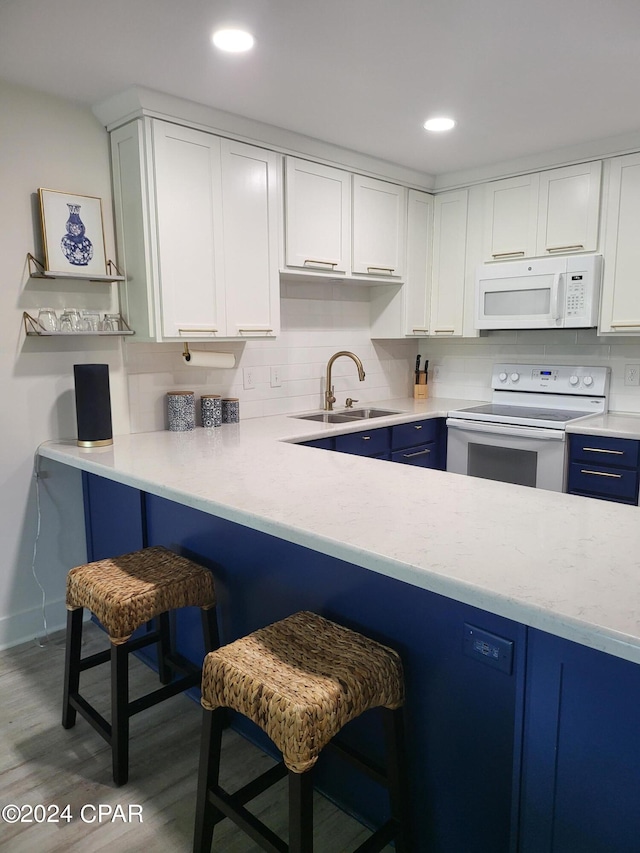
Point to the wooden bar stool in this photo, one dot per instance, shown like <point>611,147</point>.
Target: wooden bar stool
<point>124,593</point>
<point>300,680</point>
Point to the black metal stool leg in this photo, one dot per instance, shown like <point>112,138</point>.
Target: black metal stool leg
<point>164,648</point>
<point>120,712</point>
<point>397,776</point>
<point>72,665</point>
<point>300,812</point>
<point>210,629</point>
<point>210,746</point>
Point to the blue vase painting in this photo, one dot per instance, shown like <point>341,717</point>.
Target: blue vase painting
<point>76,246</point>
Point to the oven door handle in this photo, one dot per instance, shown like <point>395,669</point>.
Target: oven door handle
<point>506,429</point>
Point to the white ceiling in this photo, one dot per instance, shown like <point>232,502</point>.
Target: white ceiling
<point>520,77</point>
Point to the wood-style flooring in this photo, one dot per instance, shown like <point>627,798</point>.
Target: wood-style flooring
<point>42,763</point>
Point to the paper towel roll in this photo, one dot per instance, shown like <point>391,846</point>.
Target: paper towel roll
<point>209,359</point>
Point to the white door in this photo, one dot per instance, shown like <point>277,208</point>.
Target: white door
<point>511,218</point>
<point>250,240</point>
<point>188,203</point>
<point>569,209</point>
<point>448,272</point>
<point>379,223</point>
<point>317,217</point>
<point>620,289</point>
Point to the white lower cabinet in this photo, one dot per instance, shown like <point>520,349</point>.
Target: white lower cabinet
<point>620,303</point>
<point>197,233</point>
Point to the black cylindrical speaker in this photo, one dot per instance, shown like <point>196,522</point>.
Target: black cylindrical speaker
<point>93,404</point>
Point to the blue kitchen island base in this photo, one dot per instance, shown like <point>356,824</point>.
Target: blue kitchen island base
<point>505,754</point>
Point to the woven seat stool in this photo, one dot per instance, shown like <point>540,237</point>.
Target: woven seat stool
<point>125,593</point>
<point>300,680</point>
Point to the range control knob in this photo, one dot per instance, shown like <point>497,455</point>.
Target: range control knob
<point>573,380</point>
<point>515,377</point>
<point>588,381</point>
<point>502,377</point>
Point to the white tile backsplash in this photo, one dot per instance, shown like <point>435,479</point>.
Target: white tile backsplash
<point>318,319</point>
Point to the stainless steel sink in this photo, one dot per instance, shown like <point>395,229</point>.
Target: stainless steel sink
<point>346,416</point>
<point>368,413</point>
<point>326,418</point>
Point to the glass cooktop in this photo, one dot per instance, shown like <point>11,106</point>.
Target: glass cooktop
<point>498,411</point>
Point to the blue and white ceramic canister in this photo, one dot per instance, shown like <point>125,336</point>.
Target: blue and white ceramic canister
<point>230,410</point>
<point>181,411</point>
<point>211,410</point>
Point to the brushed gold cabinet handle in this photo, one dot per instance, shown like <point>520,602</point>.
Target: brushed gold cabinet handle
<point>574,248</point>
<point>417,453</point>
<point>601,474</point>
<point>445,330</point>
<point>626,325</point>
<point>603,450</point>
<point>254,331</point>
<point>210,331</point>
<point>420,329</point>
<point>314,263</point>
<point>388,270</point>
<point>507,254</point>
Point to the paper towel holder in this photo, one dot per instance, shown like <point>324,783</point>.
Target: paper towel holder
<point>227,356</point>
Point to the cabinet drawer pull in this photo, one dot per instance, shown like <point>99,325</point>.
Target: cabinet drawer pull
<point>417,426</point>
<point>388,270</point>
<point>210,331</point>
<point>574,248</point>
<point>366,438</point>
<point>601,474</point>
<point>626,325</point>
<point>507,254</point>
<point>310,262</point>
<point>417,453</point>
<point>604,450</point>
<point>445,330</point>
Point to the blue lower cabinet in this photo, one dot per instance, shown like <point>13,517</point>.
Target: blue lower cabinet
<point>374,442</point>
<point>604,467</point>
<point>425,455</point>
<point>581,750</point>
<point>322,443</point>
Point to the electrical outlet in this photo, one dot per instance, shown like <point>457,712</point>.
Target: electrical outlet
<point>632,374</point>
<point>436,373</point>
<point>248,378</point>
<point>276,382</point>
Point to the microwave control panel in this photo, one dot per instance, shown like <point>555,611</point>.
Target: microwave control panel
<point>575,295</point>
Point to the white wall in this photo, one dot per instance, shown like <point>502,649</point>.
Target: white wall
<point>44,142</point>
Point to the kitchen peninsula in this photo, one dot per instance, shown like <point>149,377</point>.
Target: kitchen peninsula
<point>443,567</point>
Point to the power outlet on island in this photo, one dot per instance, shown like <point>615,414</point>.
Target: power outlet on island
<point>632,374</point>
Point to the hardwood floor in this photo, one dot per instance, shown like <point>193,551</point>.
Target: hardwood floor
<point>42,763</point>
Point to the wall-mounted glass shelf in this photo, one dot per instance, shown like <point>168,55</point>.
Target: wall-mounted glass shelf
<point>33,328</point>
<point>37,270</point>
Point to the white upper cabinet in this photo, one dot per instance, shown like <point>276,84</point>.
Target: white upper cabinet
<point>342,225</point>
<point>569,208</point>
<point>189,253</point>
<point>196,220</point>
<point>511,218</point>
<point>317,217</point>
<point>620,304</point>
<point>449,263</point>
<point>403,310</point>
<point>379,224</point>
<point>556,211</point>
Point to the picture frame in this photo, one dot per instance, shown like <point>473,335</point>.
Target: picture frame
<point>72,234</point>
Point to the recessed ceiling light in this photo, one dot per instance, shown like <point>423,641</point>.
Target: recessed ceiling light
<point>438,124</point>
<point>233,41</point>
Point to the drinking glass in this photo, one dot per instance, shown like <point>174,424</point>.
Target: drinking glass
<point>70,321</point>
<point>48,319</point>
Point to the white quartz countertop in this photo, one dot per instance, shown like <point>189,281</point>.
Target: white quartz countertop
<point>565,564</point>
<point>614,424</point>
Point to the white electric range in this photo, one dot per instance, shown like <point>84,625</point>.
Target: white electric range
<point>519,437</point>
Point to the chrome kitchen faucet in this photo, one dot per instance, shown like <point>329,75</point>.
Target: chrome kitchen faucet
<point>329,399</point>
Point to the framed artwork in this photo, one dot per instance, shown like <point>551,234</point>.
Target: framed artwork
<point>72,234</point>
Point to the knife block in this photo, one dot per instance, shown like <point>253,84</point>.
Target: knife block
<point>421,389</point>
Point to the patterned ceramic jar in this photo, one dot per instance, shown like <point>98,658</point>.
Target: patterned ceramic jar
<point>211,410</point>
<point>181,410</point>
<point>231,410</point>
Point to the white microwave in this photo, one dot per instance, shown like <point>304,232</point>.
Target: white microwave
<point>544,293</point>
